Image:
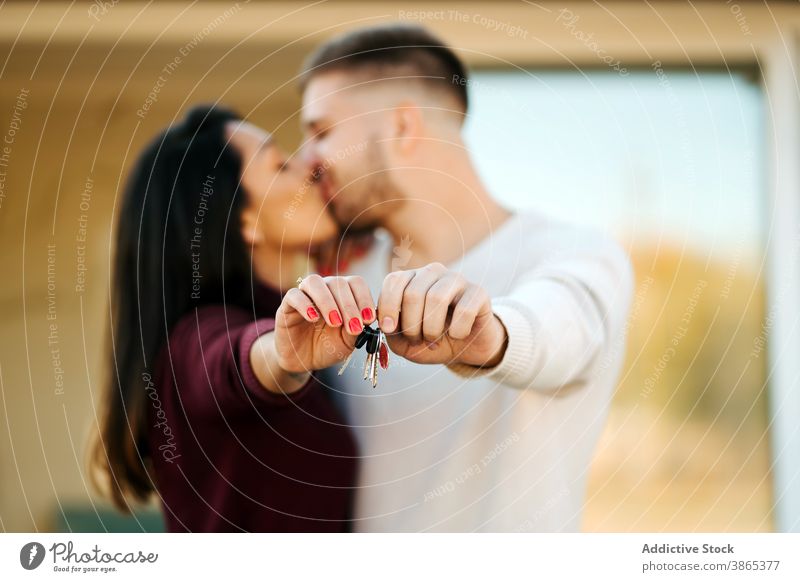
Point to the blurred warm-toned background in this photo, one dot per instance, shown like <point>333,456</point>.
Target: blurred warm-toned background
<point>675,126</point>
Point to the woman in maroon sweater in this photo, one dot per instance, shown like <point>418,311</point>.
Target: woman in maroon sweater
<point>211,405</point>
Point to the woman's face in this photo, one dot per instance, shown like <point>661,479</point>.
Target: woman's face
<point>284,207</point>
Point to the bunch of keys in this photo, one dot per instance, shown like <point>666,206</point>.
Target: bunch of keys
<point>377,353</point>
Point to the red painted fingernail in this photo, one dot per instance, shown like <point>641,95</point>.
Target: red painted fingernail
<point>335,318</point>
<point>355,325</point>
<point>366,314</point>
<point>312,313</point>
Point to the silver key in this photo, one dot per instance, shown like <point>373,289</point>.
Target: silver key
<point>346,362</point>
<point>374,367</point>
<point>367,366</point>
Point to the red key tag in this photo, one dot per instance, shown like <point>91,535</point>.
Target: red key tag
<point>383,355</point>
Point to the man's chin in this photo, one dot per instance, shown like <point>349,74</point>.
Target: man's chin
<point>355,225</point>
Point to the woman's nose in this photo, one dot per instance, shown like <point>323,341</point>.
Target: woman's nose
<point>308,155</point>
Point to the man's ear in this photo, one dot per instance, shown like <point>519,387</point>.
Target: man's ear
<point>250,233</point>
<point>407,127</point>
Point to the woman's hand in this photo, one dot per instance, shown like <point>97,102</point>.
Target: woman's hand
<point>317,324</point>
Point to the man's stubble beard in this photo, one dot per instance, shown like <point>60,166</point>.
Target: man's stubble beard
<point>369,205</point>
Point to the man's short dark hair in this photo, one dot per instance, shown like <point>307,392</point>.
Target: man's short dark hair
<point>392,50</point>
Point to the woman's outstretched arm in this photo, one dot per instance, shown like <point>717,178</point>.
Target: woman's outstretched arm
<point>267,370</point>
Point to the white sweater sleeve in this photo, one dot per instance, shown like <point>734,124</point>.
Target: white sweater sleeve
<point>561,316</point>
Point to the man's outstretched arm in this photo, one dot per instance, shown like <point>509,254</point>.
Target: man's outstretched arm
<point>543,335</point>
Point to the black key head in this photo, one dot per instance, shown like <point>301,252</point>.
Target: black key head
<point>362,338</point>
<point>372,343</point>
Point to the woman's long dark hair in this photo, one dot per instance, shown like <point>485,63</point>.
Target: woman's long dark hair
<point>181,208</point>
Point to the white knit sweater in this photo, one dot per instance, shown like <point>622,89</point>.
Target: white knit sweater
<point>505,449</point>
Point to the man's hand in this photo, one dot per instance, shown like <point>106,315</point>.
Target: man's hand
<point>433,315</point>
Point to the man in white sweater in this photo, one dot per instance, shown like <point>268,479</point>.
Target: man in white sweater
<point>520,319</point>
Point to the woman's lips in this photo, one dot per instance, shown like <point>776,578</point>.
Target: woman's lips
<point>325,189</point>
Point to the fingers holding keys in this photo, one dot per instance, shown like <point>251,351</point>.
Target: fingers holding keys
<point>431,315</point>
<point>449,290</point>
<point>415,298</point>
<point>320,294</point>
<point>344,302</point>
<point>434,315</point>
<point>319,321</point>
<point>363,299</point>
<point>419,300</point>
<point>391,299</point>
<point>297,301</point>
<point>473,303</point>
<point>343,295</point>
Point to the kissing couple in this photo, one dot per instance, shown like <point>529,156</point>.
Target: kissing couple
<point>506,329</point>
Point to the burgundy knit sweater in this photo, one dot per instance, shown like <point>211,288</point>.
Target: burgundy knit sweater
<point>230,456</point>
